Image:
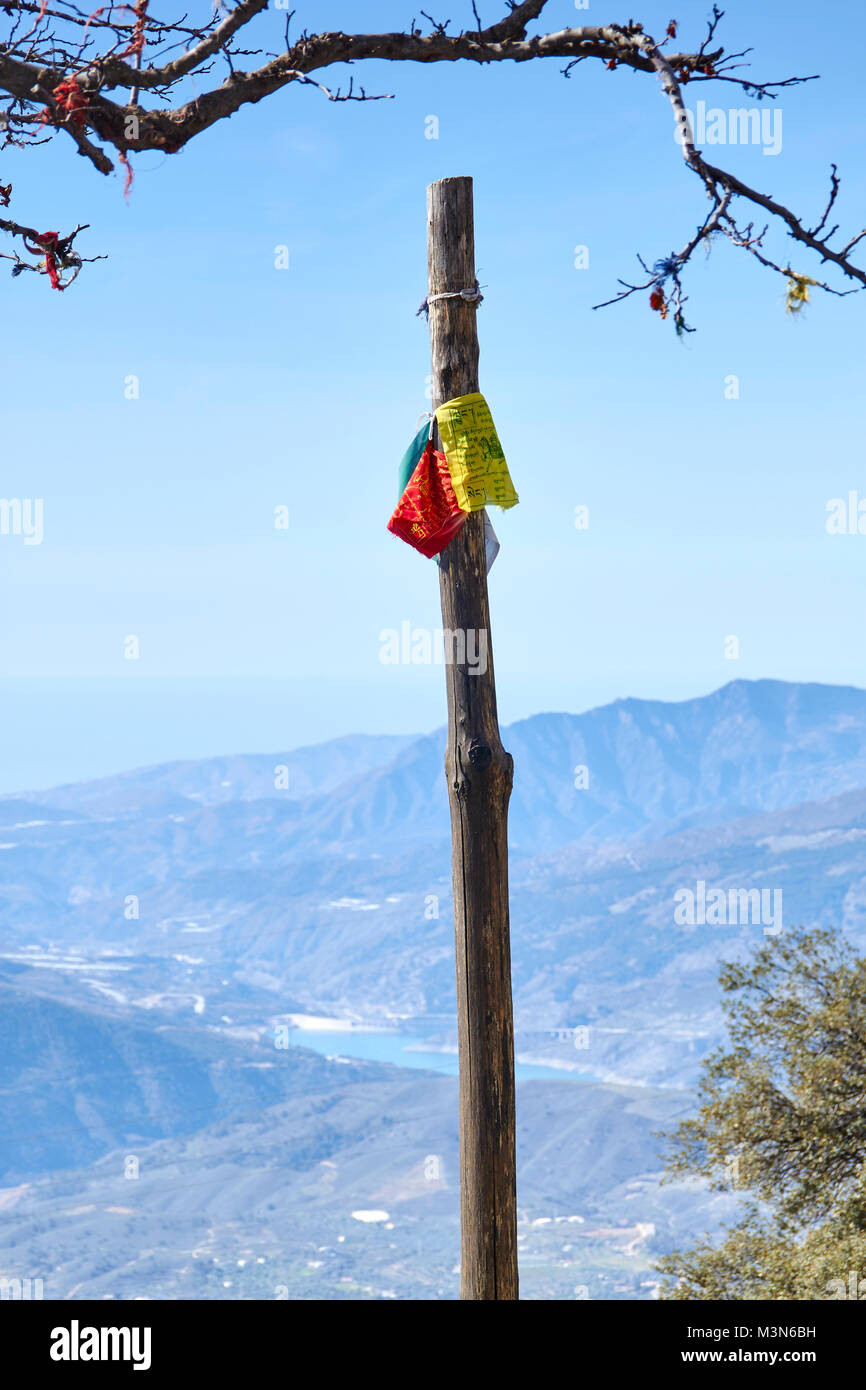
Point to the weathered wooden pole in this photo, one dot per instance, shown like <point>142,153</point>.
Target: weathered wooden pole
<point>479,773</point>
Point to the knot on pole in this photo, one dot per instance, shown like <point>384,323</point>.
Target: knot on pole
<point>472,295</point>
<point>480,754</point>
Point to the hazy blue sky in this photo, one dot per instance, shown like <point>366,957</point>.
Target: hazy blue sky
<point>261,387</point>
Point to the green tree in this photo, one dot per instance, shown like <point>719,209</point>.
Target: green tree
<point>782,1119</point>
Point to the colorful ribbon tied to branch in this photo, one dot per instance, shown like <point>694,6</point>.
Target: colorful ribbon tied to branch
<point>70,100</point>
<point>137,45</point>
<point>47,248</point>
<point>798,293</point>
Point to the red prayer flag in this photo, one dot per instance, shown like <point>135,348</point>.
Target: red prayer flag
<point>427,515</point>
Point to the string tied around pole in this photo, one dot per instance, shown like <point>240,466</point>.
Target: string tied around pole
<point>472,295</point>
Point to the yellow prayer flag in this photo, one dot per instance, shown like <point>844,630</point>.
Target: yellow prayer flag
<point>476,462</point>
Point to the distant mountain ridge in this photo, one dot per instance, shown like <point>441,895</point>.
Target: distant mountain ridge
<point>167,787</point>
<point>339,902</point>
<point>652,767</point>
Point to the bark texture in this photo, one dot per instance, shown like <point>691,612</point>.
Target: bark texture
<point>479,773</point>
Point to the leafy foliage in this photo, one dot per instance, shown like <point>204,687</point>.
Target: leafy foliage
<point>782,1115</point>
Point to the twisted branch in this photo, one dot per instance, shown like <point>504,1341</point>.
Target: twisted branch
<point>62,70</point>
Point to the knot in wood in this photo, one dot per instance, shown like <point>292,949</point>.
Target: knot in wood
<point>480,754</point>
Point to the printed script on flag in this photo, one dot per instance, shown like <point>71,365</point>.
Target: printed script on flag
<point>476,462</point>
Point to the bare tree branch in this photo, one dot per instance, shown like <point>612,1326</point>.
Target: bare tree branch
<point>55,254</point>
<point>62,69</point>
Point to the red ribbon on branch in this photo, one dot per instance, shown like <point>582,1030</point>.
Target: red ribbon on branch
<point>123,158</point>
<point>47,248</point>
<point>139,9</point>
<point>70,99</point>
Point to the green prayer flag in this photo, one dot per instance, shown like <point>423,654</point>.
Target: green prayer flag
<point>413,457</point>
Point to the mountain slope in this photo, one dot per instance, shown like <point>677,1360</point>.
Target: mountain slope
<point>77,1082</point>
<point>353,1194</point>
<point>340,903</point>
